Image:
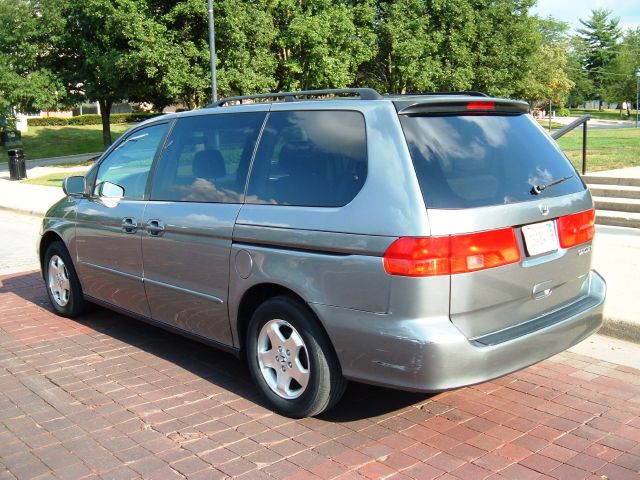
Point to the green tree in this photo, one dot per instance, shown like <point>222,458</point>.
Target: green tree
<point>582,90</point>
<point>548,79</point>
<point>600,34</point>
<point>441,45</point>
<point>320,43</point>
<point>623,80</point>
<point>262,45</point>
<point>24,85</point>
<point>554,32</point>
<point>98,49</point>
<point>405,59</point>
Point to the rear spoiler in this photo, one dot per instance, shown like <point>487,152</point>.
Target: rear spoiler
<point>460,105</point>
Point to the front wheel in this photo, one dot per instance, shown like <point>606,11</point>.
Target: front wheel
<point>63,286</point>
<point>291,360</point>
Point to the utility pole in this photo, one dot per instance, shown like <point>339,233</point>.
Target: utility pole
<point>212,51</point>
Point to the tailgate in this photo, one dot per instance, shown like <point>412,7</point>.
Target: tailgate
<point>546,279</point>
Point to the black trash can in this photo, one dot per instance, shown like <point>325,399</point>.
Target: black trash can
<point>17,167</point>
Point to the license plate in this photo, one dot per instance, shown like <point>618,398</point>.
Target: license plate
<point>540,238</point>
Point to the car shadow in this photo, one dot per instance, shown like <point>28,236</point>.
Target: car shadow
<point>221,368</point>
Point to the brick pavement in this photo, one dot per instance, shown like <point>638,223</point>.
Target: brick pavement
<point>107,397</point>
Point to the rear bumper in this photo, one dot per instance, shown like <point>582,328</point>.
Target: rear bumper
<point>431,354</point>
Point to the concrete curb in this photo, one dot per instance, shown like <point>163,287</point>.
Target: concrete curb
<point>23,211</point>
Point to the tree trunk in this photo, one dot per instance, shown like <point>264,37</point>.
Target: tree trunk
<point>105,112</point>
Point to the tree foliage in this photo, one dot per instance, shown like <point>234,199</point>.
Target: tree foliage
<point>623,80</point>
<point>548,80</point>
<point>440,45</point>
<point>24,85</point>
<point>600,34</point>
<point>56,51</point>
<point>98,48</point>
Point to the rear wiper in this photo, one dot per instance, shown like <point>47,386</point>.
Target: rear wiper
<point>539,188</point>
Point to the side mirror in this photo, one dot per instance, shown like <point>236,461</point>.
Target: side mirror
<point>109,190</point>
<point>75,185</point>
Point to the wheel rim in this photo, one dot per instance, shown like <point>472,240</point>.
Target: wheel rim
<point>283,359</point>
<point>58,281</point>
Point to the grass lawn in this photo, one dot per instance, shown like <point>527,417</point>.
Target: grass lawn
<point>605,114</point>
<point>606,149</point>
<point>45,142</point>
<point>54,179</point>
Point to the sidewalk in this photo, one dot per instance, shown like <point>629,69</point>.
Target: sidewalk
<point>616,253</point>
<point>34,199</point>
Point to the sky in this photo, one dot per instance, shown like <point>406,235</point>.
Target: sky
<point>571,10</point>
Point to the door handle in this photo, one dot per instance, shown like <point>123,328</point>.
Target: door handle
<point>129,225</point>
<point>155,228</point>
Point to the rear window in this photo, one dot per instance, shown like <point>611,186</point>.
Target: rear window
<point>481,160</point>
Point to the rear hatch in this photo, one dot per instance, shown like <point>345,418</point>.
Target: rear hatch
<point>515,216</point>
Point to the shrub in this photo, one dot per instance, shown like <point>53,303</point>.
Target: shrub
<point>90,119</point>
<point>563,112</point>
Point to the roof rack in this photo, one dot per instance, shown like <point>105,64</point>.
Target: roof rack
<point>364,93</point>
<point>468,93</point>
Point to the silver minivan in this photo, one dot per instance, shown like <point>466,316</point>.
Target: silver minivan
<point>419,242</point>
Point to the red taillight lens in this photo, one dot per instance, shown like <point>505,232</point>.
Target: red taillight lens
<point>481,106</point>
<point>477,251</point>
<point>577,228</point>
<point>418,257</point>
<point>422,257</point>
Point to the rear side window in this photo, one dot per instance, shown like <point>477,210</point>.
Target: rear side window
<point>310,158</point>
<point>207,158</point>
<point>481,160</point>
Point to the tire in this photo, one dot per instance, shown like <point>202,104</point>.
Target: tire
<point>300,376</point>
<point>61,282</point>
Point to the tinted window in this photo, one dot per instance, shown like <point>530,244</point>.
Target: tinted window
<point>207,158</point>
<point>470,161</point>
<point>129,164</point>
<point>310,158</point>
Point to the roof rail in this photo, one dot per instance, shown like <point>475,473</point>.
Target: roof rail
<point>364,93</point>
<point>469,93</point>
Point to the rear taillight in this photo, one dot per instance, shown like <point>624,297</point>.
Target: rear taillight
<point>428,256</point>
<point>577,228</point>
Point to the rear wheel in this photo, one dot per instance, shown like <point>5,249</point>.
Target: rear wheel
<point>291,360</point>
<point>63,286</point>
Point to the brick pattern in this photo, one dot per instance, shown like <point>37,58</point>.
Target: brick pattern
<point>107,397</point>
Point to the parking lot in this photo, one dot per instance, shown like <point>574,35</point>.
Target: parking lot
<point>105,396</point>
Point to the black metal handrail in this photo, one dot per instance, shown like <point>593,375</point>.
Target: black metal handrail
<point>567,128</point>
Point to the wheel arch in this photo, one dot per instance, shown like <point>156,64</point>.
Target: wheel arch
<point>47,239</point>
<point>256,296</point>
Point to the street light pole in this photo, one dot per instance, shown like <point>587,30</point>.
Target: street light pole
<point>212,51</point>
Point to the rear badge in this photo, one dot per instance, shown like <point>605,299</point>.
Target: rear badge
<point>544,209</point>
<point>584,250</point>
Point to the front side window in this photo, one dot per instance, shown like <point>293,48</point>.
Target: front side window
<point>207,158</point>
<point>310,158</point>
<point>124,172</point>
